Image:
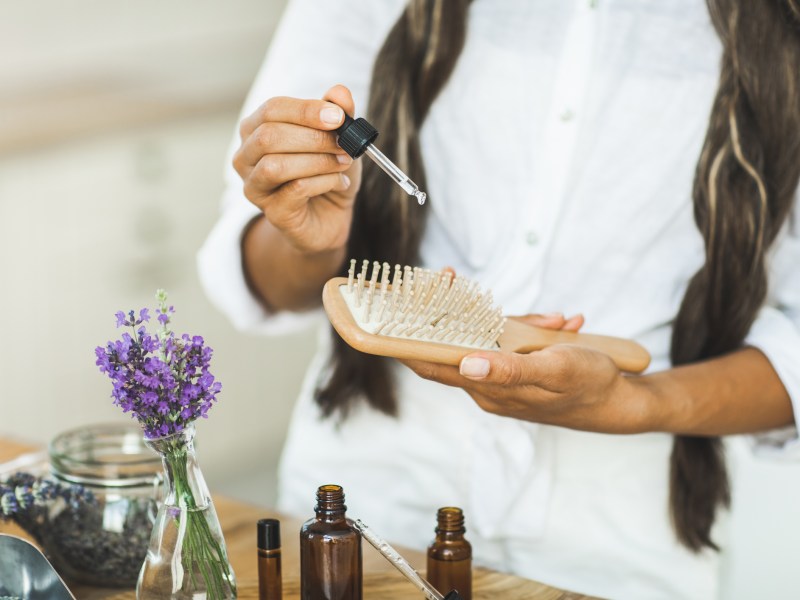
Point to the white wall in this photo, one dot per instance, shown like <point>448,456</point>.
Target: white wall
<point>68,68</point>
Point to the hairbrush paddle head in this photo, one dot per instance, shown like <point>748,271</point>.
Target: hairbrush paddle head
<point>415,313</point>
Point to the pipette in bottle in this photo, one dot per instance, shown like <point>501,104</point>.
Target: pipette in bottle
<point>356,137</point>
<point>401,564</point>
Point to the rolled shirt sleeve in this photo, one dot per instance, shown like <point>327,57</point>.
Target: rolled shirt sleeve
<point>776,333</point>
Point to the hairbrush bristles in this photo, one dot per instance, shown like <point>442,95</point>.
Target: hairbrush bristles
<point>421,304</point>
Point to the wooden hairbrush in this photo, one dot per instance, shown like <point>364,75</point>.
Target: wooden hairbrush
<point>433,316</point>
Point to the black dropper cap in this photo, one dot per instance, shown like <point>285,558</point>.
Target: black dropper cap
<point>269,534</point>
<point>453,595</point>
<point>355,135</point>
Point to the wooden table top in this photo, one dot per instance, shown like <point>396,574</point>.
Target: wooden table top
<point>238,520</point>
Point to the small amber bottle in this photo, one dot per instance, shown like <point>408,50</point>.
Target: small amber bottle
<point>450,555</point>
<point>330,551</point>
<point>269,559</point>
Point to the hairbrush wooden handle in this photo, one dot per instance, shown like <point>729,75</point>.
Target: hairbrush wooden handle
<point>522,337</point>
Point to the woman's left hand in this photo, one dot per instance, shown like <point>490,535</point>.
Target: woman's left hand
<point>563,385</point>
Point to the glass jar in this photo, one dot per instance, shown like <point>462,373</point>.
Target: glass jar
<point>102,541</point>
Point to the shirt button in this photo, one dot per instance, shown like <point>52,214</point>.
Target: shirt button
<point>531,238</point>
<point>567,115</point>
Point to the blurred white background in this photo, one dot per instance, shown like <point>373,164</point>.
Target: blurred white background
<point>114,122</point>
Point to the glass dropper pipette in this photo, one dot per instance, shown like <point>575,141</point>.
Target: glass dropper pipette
<point>356,137</point>
<point>401,564</point>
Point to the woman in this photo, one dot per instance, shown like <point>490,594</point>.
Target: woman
<point>559,145</point>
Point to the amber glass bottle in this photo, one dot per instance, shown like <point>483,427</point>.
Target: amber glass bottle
<point>269,560</point>
<point>450,555</point>
<point>330,551</point>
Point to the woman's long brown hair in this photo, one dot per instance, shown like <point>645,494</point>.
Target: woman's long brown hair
<point>410,70</point>
<point>744,188</point>
<point>745,182</point>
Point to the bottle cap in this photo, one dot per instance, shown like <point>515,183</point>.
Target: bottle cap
<point>355,135</point>
<point>269,534</point>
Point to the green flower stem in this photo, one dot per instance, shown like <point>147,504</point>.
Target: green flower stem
<point>200,550</point>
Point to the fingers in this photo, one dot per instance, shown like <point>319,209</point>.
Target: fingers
<point>283,138</point>
<point>289,143</point>
<point>540,369</point>
<point>555,321</point>
<point>573,323</point>
<point>326,114</point>
<point>290,197</point>
<point>316,114</point>
<point>548,321</point>
<point>274,170</point>
<point>341,96</point>
<point>499,382</point>
<point>490,368</point>
<point>445,374</point>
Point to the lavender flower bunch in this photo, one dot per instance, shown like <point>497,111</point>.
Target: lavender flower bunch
<point>161,379</point>
<point>164,382</point>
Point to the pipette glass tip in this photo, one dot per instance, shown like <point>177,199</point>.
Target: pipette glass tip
<point>393,171</point>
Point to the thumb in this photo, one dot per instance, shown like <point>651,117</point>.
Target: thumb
<point>505,368</point>
<point>341,96</point>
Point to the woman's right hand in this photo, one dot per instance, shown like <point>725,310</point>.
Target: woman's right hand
<point>295,172</point>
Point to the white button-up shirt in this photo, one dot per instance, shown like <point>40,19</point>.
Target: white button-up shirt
<point>560,158</point>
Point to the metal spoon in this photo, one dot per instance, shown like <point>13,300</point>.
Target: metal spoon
<point>26,573</point>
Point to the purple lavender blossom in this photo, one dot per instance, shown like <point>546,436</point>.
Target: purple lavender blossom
<point>8,503</point>
<point>163,380</point>
<point>22,492</point>
<point>130,320</point>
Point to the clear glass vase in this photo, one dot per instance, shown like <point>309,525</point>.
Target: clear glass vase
<point>186,558</point>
